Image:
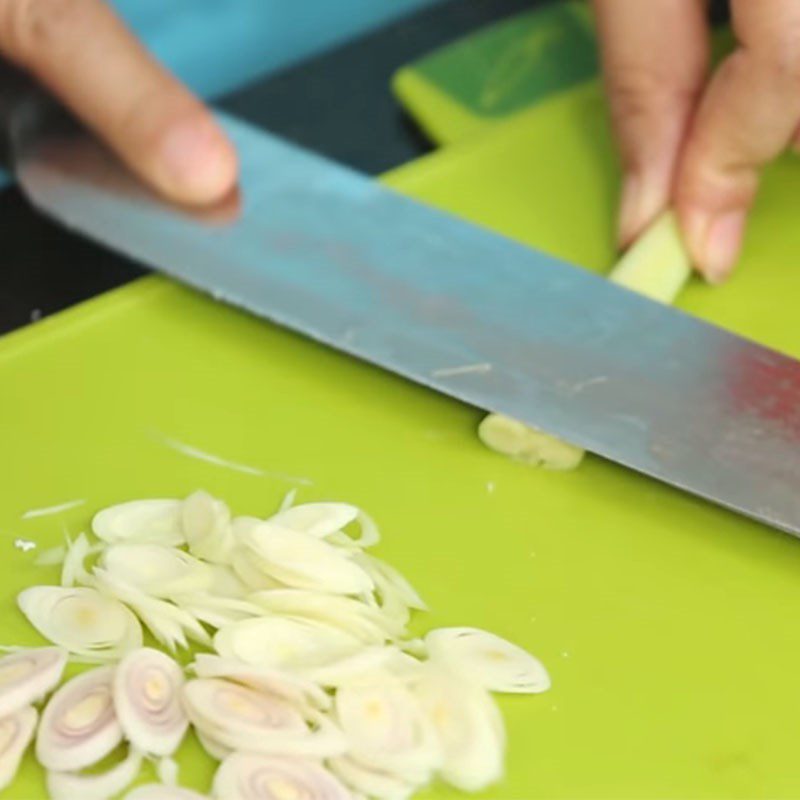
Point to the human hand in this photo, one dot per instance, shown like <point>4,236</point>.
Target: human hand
<point>87,57</point>
<point>696,142</point>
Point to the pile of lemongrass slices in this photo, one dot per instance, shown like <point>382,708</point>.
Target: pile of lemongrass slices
<point>305,681</point>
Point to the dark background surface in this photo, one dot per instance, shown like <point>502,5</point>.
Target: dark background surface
<point>338,103</point>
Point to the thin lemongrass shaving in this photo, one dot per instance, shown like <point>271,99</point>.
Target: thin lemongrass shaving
<point>16,732</point>
<point>95,786</point>
<point>28,675</point>
<point>157,521</point>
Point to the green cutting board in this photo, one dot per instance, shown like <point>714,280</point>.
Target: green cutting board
<point>670,627</point>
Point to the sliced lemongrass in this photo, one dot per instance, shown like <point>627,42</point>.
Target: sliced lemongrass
<point>16,732</point>
<point>214,610</point>
<point>168,771</point>
<point>156,570</point>
<point>51,557</point>
<point>387,729</point>
<point>248,571</point>
<point>284,643</point>
<point>73,570</point>
<point>169,624</point>
<point>147,697</point>
<point>352,616</point>
<point>246,776</point>
<point>215,749</point>
<point>288,500</point>
<point>528,444</point>
<point>95,786</point>
<point>226,583</point>
<point>157,521</point>
<point>300,692</point>
<point>304,562</point>
<point>206,523</point>
<point>469,727</point>
<point>370,782</point>
<point>386,578</point>
<point>28,675</point>
<point>488,660</point>
<point>81,620</point>
<point>79,726</point>
<point>242,718</point>
<point>349,669</point>
<point>325,520</point>
<point>158,791</point>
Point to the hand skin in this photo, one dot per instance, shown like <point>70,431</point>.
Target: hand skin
<point>85,56</point>
<point>696,141</point>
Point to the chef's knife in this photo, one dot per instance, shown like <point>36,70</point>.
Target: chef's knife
<point>327,252</point>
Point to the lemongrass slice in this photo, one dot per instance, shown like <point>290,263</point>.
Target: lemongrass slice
<point>156,521</point>
<point>217,751</point>
<point>245,776</point>
<point>370,782</point>
<point>249,572</point>
<point>487,659</point>
<point>81,620</point>
<point>226,583</point>
<point>95,786</point>
<point>156,570</point>
<point>158,791</point>
<point>325,519</point>
<point>300,692</point>
<point>469,726</point>
<point>284,643</point>
<point>216,611</point>
<point>147,697</point>
<point>16,732</point>
<point>169,624</point>
<point>304,562</point>
<point>206,524</point>
<point>387,578</point>
<point>73,570</point>
<point>354,668</point>
<point>352,616</point>
<point>528,444</point>
<point>245,719</point>
<point>168,771</point>
<point>28,675</point>
<point>79,726</point>
<point>387,729</point>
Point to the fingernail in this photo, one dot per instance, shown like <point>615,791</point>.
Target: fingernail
<point>640,202</point>
<point>199,162</point>
<point>723,241</point>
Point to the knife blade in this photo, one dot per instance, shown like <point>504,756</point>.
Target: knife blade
<point>322,250</point>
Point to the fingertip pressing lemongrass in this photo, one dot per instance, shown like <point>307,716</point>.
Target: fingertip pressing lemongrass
<point>28,675</point>
<point>79,725</point>
<point>81,620</point>
<point>143,521</point>
<point>488,660</point>
<point>147,689</point>
<point>16,733</point>
<point>95,786</point>
<point>246,776</point>
<point>656,266</point>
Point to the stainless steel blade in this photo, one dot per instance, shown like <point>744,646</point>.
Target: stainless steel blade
<point>329,253</point>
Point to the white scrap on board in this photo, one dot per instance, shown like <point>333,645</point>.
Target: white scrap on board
<point>490,487</point>
<point>219,461</point>
<point>466,369</point>
<point>26,545</point>
<point>33,513</point>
